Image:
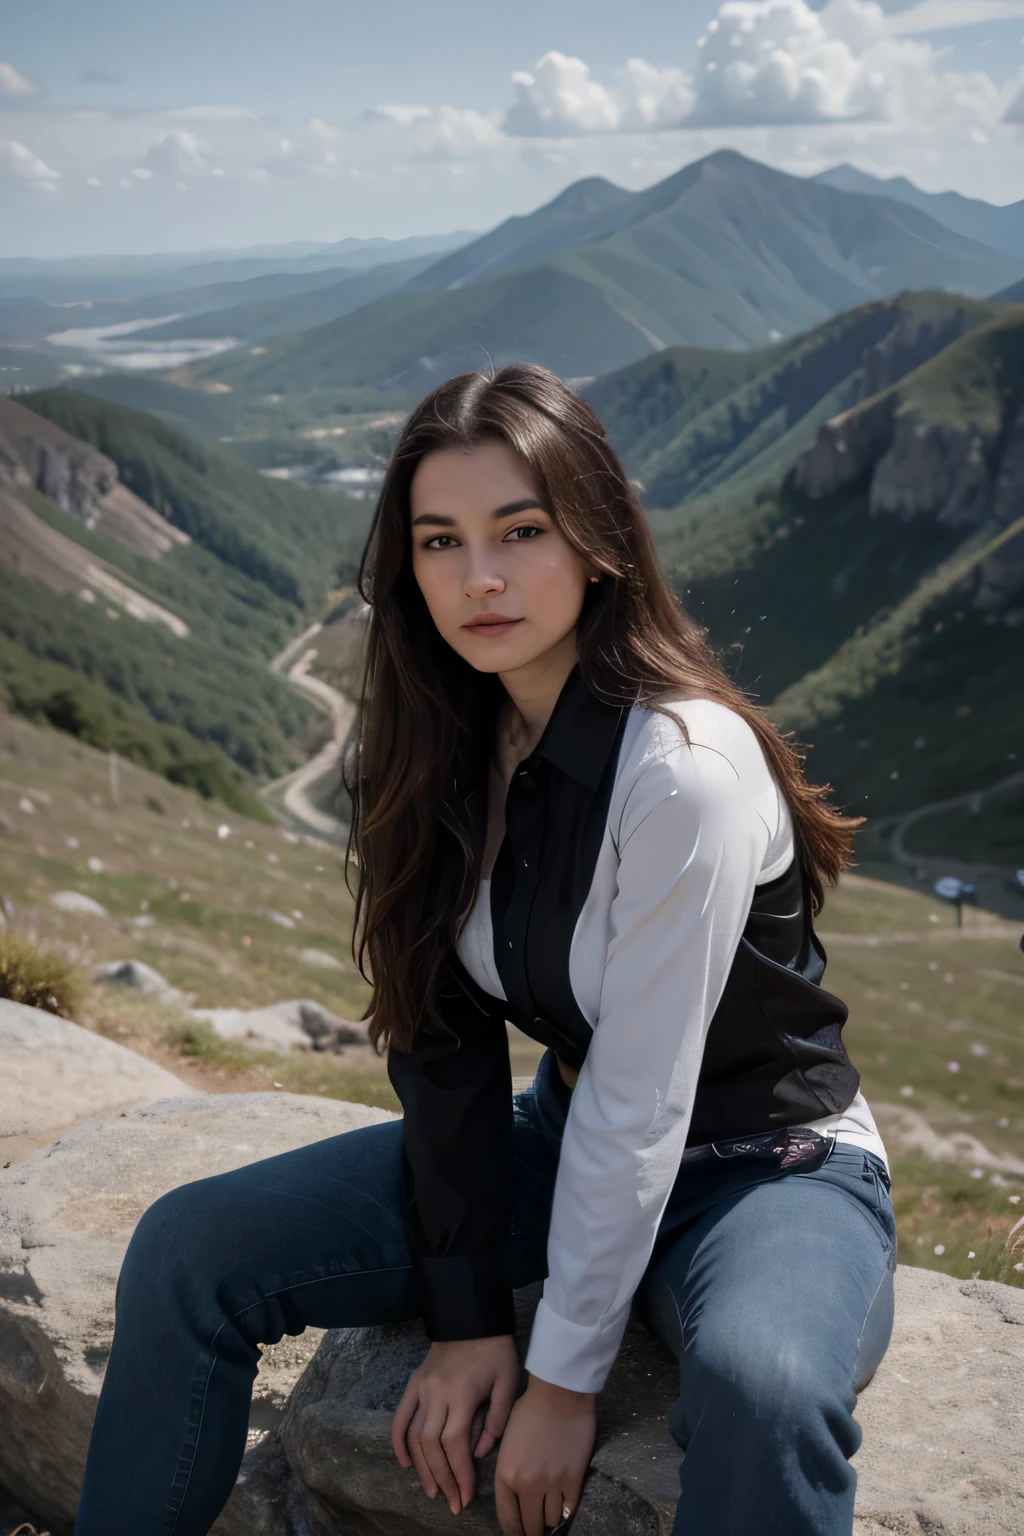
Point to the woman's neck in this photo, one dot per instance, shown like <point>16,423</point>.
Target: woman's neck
<point>533,692</point>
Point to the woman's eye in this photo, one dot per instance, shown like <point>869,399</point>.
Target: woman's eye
<point>438,541</point>
<point>526,531</point>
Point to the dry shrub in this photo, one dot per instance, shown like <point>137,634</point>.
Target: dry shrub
<point>37,977</point>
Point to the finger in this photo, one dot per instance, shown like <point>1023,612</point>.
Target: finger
<point>502,1398</point>
<point>455,1444</point>
<point>400,1424</point>
<point>414,1440</point>
<point>437,1461</point>
<point>531,1510</point>
<point>555,1504</point>
<point>507,1506</point>
<point>476,1429</point>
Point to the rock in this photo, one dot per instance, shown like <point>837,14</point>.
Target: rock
<point>907,1130</point>
<point>941,1448</point>
<point>74,901</point>
<point>66,1214</point>
<point>137,977</point>
<point>55,1074</point>
<point>320,957</point>
<point>280,1026</point>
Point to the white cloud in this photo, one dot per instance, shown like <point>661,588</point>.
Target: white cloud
<point>941,15</point>
<point>28,166</point>
<point>779,61</point>
<point>177,155</point>
<point>14,83</point>
<point>1015,107</point>
<point>562,98</point>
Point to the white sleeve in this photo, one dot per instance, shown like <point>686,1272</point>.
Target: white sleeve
<point>691,846</point>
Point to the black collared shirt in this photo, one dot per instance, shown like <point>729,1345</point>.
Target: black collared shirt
<point>648,920</point>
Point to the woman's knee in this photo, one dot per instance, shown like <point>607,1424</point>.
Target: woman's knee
<point>763,1372</point>
<point>169,1240</point>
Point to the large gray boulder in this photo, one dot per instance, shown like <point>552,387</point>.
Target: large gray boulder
<point>941,1418</point>
<point>55,1074</point>
<point>66,1215</point>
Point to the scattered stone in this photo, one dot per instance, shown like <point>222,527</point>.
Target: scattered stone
<point>96,866</point>
<point>135,976</point>
<point>74,901</point>
<point>66,1214</point>
<point>26,807</point>
<point>906,1130</point>
<point>321,958</point>
<point>281,919</point>
<point>282,1026</point>
<point>55,1074</point>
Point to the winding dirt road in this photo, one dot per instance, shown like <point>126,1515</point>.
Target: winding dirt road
<point>293,794</point>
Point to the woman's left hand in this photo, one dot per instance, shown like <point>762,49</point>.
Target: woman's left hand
<point>545,1452</point>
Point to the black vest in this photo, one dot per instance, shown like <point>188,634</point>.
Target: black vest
<point>774,1054</point>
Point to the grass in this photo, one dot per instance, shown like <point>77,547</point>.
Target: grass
<point>199,908</point>
<point>37,977</point>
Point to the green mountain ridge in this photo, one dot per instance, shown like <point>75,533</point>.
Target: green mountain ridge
<point>726,253</point>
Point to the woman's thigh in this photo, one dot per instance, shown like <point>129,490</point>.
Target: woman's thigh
<point>784,1287</point>
<point>312,1237</point>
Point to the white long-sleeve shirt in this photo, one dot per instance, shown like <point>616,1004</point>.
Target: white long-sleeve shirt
<point>692,829</point>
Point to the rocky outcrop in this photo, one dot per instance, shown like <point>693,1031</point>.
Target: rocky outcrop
<point>54,1074</point>
<point>80,480</point>
<point>66,1214</point>
<point>946,445</point>
<point>940,1453</point>
<point>940,1418</point>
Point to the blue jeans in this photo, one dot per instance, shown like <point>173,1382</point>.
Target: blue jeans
<point>775,1291</point>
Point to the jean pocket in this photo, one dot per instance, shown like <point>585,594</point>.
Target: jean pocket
<point>883,1201</point>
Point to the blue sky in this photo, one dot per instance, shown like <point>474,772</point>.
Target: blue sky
<point>223,122</point>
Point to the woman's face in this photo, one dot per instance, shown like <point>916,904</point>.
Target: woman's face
<point>483,548</point>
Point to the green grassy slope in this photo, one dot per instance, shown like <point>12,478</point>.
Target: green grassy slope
<point>205,709</point>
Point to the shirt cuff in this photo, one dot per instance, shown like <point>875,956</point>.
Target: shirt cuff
<point>572,1355</point>
<point>465,1296</point>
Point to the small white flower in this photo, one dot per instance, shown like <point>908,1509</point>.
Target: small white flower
<point>952,1066</point>
<point>939,1248</point>
<point>223,831</point>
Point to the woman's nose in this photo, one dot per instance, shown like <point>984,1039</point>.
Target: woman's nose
<point>482,576</point>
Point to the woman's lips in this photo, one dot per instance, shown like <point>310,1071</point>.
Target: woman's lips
<point>498,625</point>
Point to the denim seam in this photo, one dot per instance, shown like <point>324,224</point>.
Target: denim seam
<point>234,1316</point>
<point>864,1324</point>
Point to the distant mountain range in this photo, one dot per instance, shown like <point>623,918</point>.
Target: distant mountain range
<point>725,253</point>
<point>75,279</point>
<point>1000,227</point>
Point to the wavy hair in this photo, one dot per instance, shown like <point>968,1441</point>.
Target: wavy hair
<point>417,773</point>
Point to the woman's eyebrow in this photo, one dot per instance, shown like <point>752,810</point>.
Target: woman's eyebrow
<point>440,520</point>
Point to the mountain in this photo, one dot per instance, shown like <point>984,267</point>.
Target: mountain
<point>726,253</point>
<point>79,278</point>
<point>698,426</point>
<point>1002,228</point>
<point>145,583</point>
<point>315,303</point>
<point>854,542</point>
<point>1012,295</point>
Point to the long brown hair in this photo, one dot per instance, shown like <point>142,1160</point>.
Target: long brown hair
<point>417,776</point>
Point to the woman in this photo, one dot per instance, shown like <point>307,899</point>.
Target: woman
<point>564,816</point>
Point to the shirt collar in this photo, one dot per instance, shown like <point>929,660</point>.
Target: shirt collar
<point>581,732</point>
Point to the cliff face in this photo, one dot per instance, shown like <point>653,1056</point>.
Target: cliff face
<point>946,445</point>
<point>84,483</point>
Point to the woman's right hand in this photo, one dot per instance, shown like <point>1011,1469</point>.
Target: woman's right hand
<point>455,1407</point>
